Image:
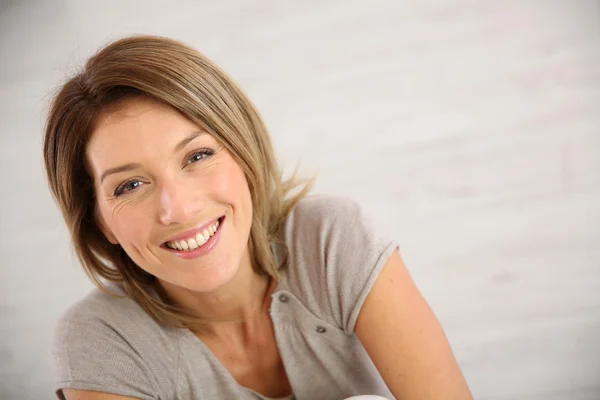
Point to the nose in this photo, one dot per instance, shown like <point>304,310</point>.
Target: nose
<point>178,203</point>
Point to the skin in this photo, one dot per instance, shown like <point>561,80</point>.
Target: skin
<point>171,190</point>
<point>405,340</point>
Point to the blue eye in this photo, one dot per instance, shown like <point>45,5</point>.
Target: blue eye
<point>127,186</point>
<point>199,155</point>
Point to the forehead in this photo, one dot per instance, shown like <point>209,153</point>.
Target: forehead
<point>137,126</point>
<point>140,116</point>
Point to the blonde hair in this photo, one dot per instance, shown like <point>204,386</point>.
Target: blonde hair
<point>175,74</point>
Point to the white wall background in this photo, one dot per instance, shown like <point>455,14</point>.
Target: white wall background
<point>470,128</point>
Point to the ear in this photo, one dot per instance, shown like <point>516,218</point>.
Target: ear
<point>107,232</point>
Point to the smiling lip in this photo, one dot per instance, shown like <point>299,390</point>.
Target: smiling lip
<point>202,250</point>
<point>192,232</point>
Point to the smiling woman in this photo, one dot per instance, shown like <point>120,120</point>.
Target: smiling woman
<point>182,195</point>
<point>215,282</point>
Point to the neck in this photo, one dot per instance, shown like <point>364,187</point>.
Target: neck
<point>242,299</point>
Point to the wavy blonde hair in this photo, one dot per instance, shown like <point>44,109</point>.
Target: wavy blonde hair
<point>175,74</point>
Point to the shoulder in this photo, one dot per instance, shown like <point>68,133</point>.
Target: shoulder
<point>108,342</point>
<point>335,251</point>
<point>324,207</point>
<point>331,224</point>
<point>324,214</point>
<point>106,316</point>
<point>112,310</point>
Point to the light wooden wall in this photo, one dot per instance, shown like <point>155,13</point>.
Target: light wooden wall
<point>470,129</point>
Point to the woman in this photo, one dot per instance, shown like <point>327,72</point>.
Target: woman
<point>217,282</point>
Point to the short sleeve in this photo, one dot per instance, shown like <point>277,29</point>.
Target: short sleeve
<point>345,250</point>
<point>90,354</point>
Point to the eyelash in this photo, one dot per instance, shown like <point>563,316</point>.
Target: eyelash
<point>204,152</point>
<point>121,189</point>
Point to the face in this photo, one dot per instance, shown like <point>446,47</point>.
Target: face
<point>170,195</point>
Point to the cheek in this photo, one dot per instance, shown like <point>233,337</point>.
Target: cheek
<point>230,182</point>
<point>126,224</point>
<point>233,190</point>
<point>241,190</point>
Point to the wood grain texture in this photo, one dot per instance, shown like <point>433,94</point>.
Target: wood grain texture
<point>469,129</point>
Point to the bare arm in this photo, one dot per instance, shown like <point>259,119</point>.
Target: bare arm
<point>405,340</point>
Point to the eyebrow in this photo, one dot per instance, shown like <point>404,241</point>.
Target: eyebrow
<point>188,139</point>
<point>129,167</point>
<point>122,168</point>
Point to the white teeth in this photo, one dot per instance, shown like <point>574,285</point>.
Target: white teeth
<point>193,243</point>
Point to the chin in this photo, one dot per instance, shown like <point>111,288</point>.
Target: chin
<point>206,279</point>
